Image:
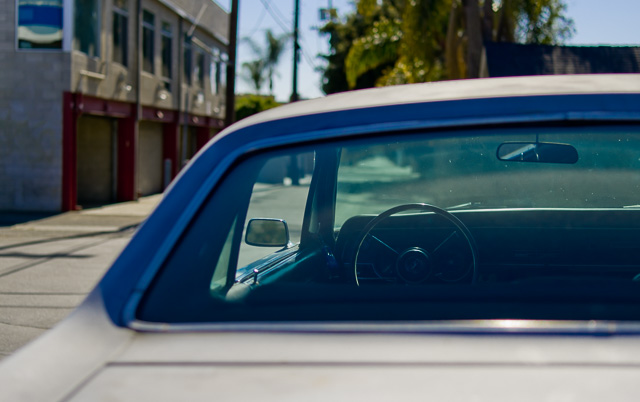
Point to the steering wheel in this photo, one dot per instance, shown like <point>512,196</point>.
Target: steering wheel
<point>414,262</point>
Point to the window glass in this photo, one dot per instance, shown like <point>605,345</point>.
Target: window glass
<point>465,172</point>
<point>213,71</point>
<point>120,32</point>
<point>213,253</point>
<point>167,43</point>
<point>86,36</point>
<point>199,68</point>
<point>280,192</point>
<point>187,65</point>
<point>222,74</point>
<point>219,279</point>
<point>472,224</point>
<point>148,39</point>
<point>39,24</point>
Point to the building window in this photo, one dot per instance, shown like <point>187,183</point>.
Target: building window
<point>86,19</point>
<point>167,43</point>
<point>187,63</point>
<point>148,34</point>
<point>222,74</point>
<point>213,71</point>
<point>39,24</point>
<point>120,31</point>
<point>199,68</point>
<point>218,72</point>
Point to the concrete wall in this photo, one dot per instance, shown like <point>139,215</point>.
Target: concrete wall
<point>103,78</point>
<point>31,87</point>
<point>100,76</point>
<point>199,98</point>
<point>153,86</point>
<point>196,98</point>
<point>32,84</point>
<point>214,17</point>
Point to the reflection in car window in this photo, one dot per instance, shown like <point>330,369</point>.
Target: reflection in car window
<point>219,279</point>
<point>494,229</point>
<point>464,172</point>
<point>280,192</point>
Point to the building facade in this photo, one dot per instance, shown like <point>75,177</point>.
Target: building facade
<point>105,100</point>
<point>514,59</point>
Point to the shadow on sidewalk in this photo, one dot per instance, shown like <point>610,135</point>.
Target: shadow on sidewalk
<point>69,237</point>
<point>9,218</point>
<point>107,219</point>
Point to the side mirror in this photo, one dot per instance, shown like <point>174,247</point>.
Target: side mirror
<point>543,152</point>
<point>265,232</point>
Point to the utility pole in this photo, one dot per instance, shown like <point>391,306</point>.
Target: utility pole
<point>328,13</point>
<point>294,171</point>
<point>230,115</point>
<point>296,52</point>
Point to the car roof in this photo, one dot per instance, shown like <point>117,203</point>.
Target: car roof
<point>453,90</point>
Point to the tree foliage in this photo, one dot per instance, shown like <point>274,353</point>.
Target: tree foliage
<point>387,42</point>
<point>543,22</point>
<point>263,67</point>
<point>254,73</point>
<point>341,37</point>
<point>247,105</point>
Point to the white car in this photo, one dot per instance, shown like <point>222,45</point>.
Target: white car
<point>469,240</point>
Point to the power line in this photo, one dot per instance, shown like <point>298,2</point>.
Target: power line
<point>306,55</point>
<point>281,21</point>
<point>274,16</point>
<point>282,18</point>
<point>258,23</point>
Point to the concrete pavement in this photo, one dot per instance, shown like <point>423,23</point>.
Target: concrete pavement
<point>49,263</point>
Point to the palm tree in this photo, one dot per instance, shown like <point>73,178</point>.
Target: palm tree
<point>275,47</point>
<point>428,40</point>
<point>254,73</point>
<point>522,21</point>
<point>267,58</point>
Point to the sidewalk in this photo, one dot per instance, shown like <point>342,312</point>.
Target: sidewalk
<point>48,265</point>
<point>109,218</point>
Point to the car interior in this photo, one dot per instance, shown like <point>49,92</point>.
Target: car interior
<point>516,222</point>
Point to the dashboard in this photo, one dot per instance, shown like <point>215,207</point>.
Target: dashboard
<point>513,245</point>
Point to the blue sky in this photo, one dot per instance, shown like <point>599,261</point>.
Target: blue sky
<point>611,22</point>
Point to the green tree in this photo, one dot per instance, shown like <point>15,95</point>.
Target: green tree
<point>274,49</point>
<point>404,41</point>
<point>254,73</point>
<point>341,37</point>
<point>521,21</point>
<point>247,105</point>
<point>263,67</point>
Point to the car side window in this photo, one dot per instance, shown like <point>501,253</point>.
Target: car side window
<point>212,249</point>
<point>280,192</point>
<point>219,279</point>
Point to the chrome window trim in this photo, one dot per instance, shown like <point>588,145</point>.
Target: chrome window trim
<point>492,326</point>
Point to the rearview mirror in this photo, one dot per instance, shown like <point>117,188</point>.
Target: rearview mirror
<point>543,152</point>
<point>265,232</point>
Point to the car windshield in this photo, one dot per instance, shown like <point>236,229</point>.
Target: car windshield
<point>462,172</point>
<point>512,222</point>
